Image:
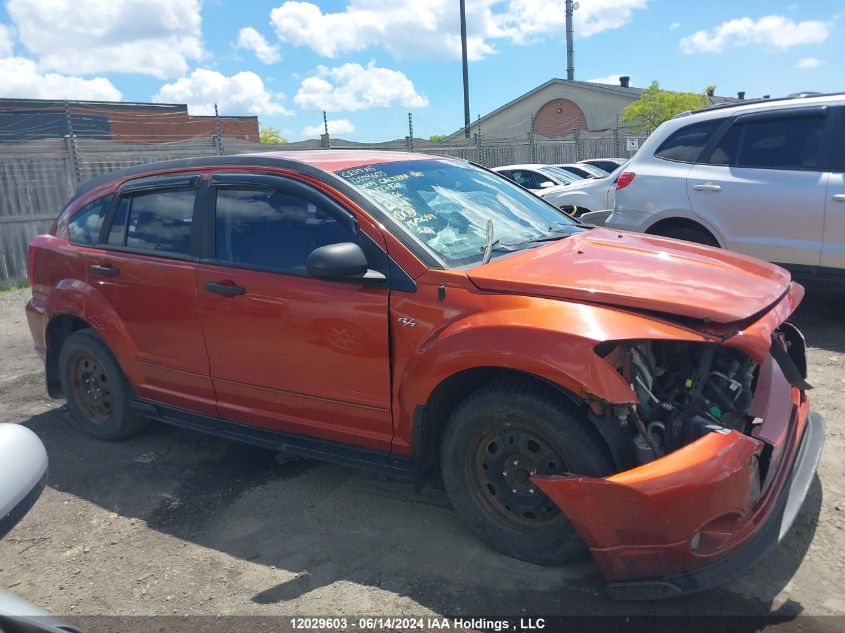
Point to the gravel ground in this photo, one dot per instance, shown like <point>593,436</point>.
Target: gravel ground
<point>174,522</point>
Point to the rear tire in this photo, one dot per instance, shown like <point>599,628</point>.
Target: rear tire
<point>696,236</point>
<point>493,442</point>
<point>96,389</point>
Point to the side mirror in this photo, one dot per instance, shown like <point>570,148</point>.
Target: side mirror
<point>344,261</point>
<point>23,473</point>
<point>546,184</point>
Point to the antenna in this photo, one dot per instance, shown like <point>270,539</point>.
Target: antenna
<point>571,7</point>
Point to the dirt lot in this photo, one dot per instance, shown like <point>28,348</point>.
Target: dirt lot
<point>174,522</point>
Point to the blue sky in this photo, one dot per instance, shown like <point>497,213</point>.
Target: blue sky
<point>370,62</point>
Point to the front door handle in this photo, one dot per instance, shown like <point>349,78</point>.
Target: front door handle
<point>839,197</point>
<point>230,290</point>
<point>105,271</point>
<point>707,186</point>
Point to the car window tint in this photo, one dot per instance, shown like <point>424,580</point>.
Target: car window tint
<point>685,145</point>
<point>528,179</point>
<point>84,227</point>
<point>161,220</point>
<point>772,143</point>
<point>271,229</point>
<point>837,144</point>
<point>117,233</point>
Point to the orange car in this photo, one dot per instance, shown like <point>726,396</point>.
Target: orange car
<point>429,319</point>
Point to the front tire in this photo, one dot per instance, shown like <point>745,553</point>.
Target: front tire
<point>494,441</point>
<point>96,389</point>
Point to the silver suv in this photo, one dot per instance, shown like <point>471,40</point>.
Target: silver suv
<point>764,178</point>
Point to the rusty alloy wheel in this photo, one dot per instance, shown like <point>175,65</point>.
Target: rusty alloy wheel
<point>90,387</point>
<point>504,460</point>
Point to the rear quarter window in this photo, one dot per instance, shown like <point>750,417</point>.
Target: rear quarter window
<point>686,144</point>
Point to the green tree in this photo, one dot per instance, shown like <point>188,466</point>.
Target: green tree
<point>271,135</point>
<point>656,106</point>
<point>437,138</point>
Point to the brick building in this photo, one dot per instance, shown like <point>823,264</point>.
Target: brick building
<point>557,108</point>
<point>32,119</point>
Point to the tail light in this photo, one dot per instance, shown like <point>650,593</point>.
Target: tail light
<point>624,179</point>
<point>31,264</point>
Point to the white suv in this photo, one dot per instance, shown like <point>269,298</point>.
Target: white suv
<point>765,178</point>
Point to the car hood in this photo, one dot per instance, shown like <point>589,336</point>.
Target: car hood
<point>642,272</point>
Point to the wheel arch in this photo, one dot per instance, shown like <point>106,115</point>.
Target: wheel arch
<point>59,328</point>
<point>672,223</point>
<point>430,418</point>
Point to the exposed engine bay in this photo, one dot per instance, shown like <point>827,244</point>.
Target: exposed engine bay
<point>686,390</point>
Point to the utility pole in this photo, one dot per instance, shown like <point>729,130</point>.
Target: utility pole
<point>411,131</point>
<point>466,68</point>
<point>327,141</point>
<point>218,132</point>
<point>570,53</point>
<point>73,148</point>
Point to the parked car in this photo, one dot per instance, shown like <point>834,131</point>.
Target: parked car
<point>23,476</point>
<point>537,178</point>
<point>568,384</point>
<point>607,164</point>
<point>587,196</point>
<point>765,178</point>
<point>582,170</point>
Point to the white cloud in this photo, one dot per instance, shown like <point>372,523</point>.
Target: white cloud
<point>674,26</point>
<point>243,93</point>
<point>23,79</point>
<point>251,39</point>
<point>774,31</point>
<point>610,79</point>
<point>353,87</point>
<point>809,62</point>
<point>525,20</point>
<point>430,28</point>
<point>336,126</point>
<point>5,41</point>
<point>153,37</point>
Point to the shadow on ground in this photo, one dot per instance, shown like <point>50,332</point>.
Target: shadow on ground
<point>323,524</point>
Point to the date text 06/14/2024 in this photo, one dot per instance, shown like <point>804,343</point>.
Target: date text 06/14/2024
<point>416,623</point>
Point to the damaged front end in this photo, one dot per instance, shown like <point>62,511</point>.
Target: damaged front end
<point>714,460</point>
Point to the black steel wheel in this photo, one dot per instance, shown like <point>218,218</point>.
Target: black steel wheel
<point>96,389</point>
<point>494,443</point>
<point>505,460</point>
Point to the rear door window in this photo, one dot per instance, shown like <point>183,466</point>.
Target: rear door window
<point>685,145</point>
<point>789,142</point>
<point>84,227</point>
<point>157,220</point>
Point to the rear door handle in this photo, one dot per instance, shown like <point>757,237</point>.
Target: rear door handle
<point>224,289</point>
<point>839,197</point>
<point>707,186</point>
<point>105,271</point>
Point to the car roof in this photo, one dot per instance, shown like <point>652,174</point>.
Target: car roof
<point>311,162</point>
<point>522,166</point>
<point>755,105</point>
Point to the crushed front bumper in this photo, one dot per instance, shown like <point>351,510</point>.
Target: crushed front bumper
<point>702,515</point>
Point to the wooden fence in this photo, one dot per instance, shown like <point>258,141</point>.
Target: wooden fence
<point>38,177</point>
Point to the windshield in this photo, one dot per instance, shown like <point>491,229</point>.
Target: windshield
<point>565,177</point>
<point>445,205</point>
